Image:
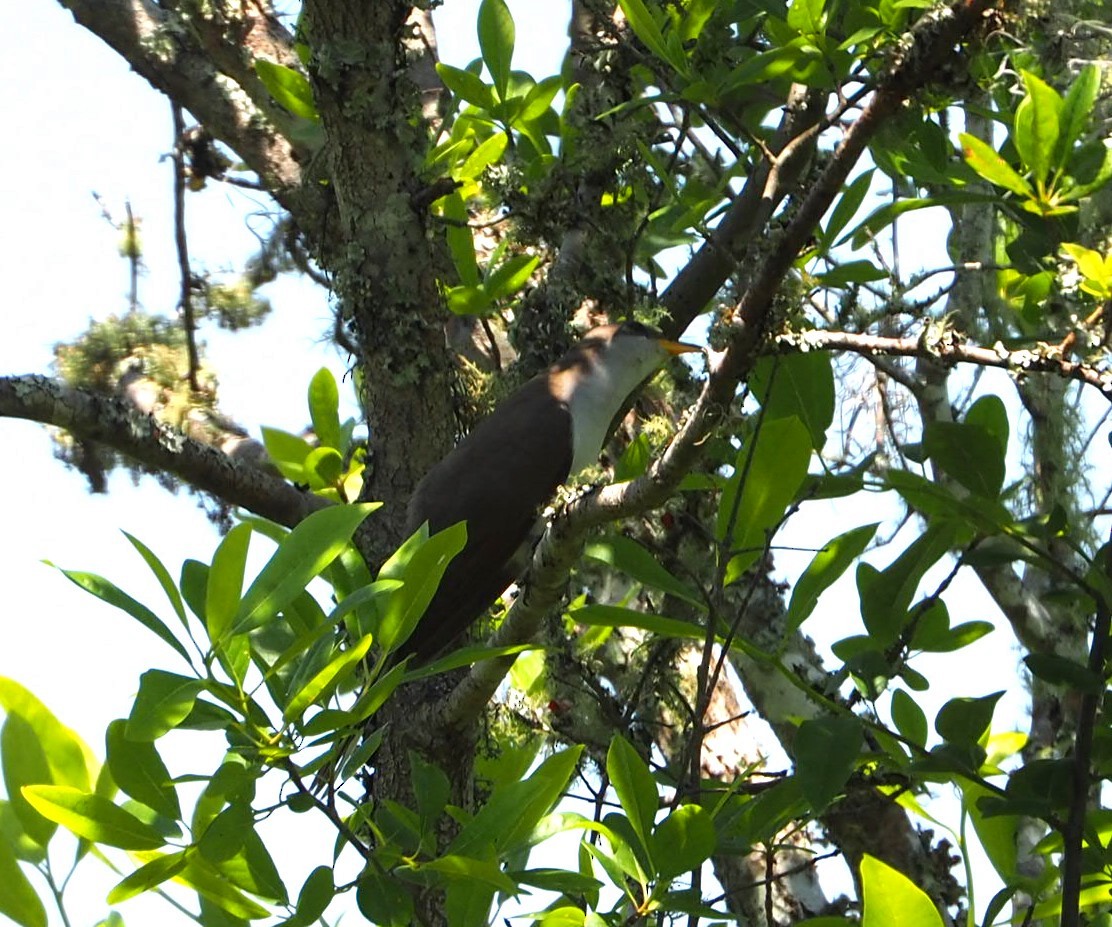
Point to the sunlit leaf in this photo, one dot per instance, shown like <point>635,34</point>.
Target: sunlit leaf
<point>92,817</point>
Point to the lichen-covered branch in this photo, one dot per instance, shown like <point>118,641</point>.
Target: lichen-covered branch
<point>114,422</point>
<point>162,48</point>
<point>950,349</point>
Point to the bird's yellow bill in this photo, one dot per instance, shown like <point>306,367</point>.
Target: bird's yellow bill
<point>678,347</point>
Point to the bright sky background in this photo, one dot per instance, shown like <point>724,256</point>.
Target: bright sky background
<point>82,122</point>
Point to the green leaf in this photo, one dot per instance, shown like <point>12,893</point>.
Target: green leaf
<point>324,683</point>
<point>164,701</point>
<point>225,581</point>
<point>1037,127</point>
<point>138,770</point>
<point>779,456</point>
<point>806,17</point>
<point>496,41</point>
<point>420,564</point>
<point>1059,671</point>
<point>635,787</point>
<point>826,751</point>
<point>225,834</point>
<point>846,208</point>
<point>13,835</point>
<point>287,452</point>
<point>108,592</point>
<point>18,899</point>
<point>324,409</point>
<point>482,157</point>
<point>480,870</point>
<point>25,763</point>
<point>1077,110</point>
<point>316,894</point>
<point>68,756</point>
<point>984,159</point>
<point>998,833</point>
<point>148,876</point>
<point>628,556</point>
<point>323,468</point>
<point>909,718</point>
<point>825,568</point>
<point>967,453</point>
<point>460,242</point>
<point>800,385</point>
<point>511,276</point>
<point>289,88</point>
<point>209,883</point>
<point>383,900</point>
<point>301,556</point>
<point>466,86</point>
<point>884,216</point>
<point>989,413</point>
<point>886,594</point>
<point>509,818</point>
<point>161,574</point>
<point>965,720</point>
<point>539,99</point>
<point>645,27</point>
<point>253,869</point>
<point>92,817</point>
<point>683,841</point>
<point>892,898</point>
<point>616,616</point>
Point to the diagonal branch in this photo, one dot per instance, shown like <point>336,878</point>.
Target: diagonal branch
<point>161,48</point>
<point>931,43</point>
<point>117,424</point>
<point>949,349</point>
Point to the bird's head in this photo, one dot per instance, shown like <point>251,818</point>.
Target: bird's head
<point>597,376</point>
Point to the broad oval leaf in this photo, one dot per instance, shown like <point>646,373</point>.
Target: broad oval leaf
<point>225,581</point>
<point>967,453</point>
<point>630,557</point>
<point>890,898</point>
<point>92,817</point>
<point>301,556</point>
<point>138,769</point>
<point>965,720</point>
<point>324,409</point>
<point>635,787</point>
<point>683,841</point>
<point>289,88</point>
<point>909,718</point>
<point>826,751</point>
<point>496,41</point>
<point>110,593</point>
<point>466,86</point>
<point>148,876</point>
<point>25,763</point>
<point>164,701</point>
<point>984,159</point>
<point>1037,127</point>
<point>18,899</point>
<point>67,754</point>
<point>825,568</point>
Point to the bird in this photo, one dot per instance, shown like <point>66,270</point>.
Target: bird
<point>499,478</point>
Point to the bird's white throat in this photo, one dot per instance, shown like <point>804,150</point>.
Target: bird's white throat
<point>600,392</point>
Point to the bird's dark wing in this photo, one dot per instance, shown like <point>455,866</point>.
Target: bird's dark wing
<point>497,480</point>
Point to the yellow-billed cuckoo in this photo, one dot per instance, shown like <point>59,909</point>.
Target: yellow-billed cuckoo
<point>509,467</point>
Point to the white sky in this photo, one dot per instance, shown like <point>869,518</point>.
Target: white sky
<point>81,122</point>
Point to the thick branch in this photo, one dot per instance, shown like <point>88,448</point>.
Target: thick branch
<point>950,350</point>
<point>933,41</point>
<point>118,425</point>
<point>161,49</point>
